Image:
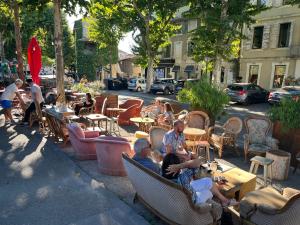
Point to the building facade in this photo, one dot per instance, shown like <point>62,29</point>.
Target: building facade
<point>271,52</point>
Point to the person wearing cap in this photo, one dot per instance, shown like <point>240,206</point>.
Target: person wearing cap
<point>142,149</point>
<point>7,98</point>
<point>37,98</point>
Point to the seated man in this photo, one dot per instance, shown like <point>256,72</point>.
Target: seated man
<point>183,173</point>
<point>142,155</point>
<point>174,142</point>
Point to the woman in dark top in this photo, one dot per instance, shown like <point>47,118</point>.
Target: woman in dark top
<point>89,102</point>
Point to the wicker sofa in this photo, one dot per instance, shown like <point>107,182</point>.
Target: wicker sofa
<point>169,201</point>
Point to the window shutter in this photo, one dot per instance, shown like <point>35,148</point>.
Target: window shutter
<point>266,36</point>
<point>275,35</point>
<point>247,43</point>
<point>291,34</point>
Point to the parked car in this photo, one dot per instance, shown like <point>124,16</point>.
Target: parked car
<point>165,85</point>
<point>286,92</point>
<point>247,93</point>
<point>137,84</point>
<point>116,83</point>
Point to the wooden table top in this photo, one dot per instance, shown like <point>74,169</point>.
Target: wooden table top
<point>194,131</point>
<point>141,120</point>
<point>115,109</point>
<point>96,117</point>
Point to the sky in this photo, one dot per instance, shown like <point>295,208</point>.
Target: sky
<point>124,45</point>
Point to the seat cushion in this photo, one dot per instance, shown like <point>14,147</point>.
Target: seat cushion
<point>259,148</point>
<point>76,129</point>
<point>267,198</point>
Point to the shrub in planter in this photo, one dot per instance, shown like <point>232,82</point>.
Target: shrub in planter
<point>286,118</point>
<point>202,95</point>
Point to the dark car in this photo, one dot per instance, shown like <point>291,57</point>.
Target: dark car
<point>116,83</point>
<point>184,83</point>
<point>286,92</point>
<point>247,93</point>
<point>166,86</point>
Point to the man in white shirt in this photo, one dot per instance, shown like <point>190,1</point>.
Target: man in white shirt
<point>37,98</point>
<point>7,98</point>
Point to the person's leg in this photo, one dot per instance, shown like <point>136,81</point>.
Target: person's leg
<point>30,109</point>
<point>216,192</point>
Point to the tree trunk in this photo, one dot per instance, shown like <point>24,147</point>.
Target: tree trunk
<point>217,70</point>
<point>2,53</point>
<point>149,74</point>
<point>15,8</point>
<point>60,71</point>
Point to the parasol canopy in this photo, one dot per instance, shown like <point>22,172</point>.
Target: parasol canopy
<point>34,59</point>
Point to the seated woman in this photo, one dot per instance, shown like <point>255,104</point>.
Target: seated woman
<point>167,117</point>
<point>152,111</point>
<point>183,173</point>
<point>89,102</point>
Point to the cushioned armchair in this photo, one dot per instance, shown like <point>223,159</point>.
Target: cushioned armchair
<point>257,140</point>
<point>231,130</point>
<point>124,117</point>
<point>99,103</point>
<point>269,207</point>
<point>130,102</point>
<point>83,142</point>
<point>109,155</point>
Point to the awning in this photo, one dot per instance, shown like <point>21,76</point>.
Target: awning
<point>176,69</point>
<point>189,68</point>
<point>163,63</point>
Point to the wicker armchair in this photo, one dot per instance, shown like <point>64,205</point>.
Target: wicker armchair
<point>171,202</point>
<point>197,119</point>
<point>256,140</point>
<point>231,130</point>
<point>269,207</point>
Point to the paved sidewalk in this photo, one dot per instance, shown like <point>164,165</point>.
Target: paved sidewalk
<point>40,185</point>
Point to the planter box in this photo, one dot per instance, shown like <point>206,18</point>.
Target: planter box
<point>288,141</point>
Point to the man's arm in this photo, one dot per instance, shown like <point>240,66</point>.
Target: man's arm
<point>20,98</point>
<point>195,163</point>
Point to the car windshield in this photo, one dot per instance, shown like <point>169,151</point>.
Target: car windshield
<point>132,81</point>
<point>235,87</point>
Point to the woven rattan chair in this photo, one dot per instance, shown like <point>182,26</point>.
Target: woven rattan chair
<point>231,130</point>
<point>197,119</point>
<point>170,201</point>
<point>257,140</point>
<point>267,206</point>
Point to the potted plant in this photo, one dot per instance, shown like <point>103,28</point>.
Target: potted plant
<point>204,96</point>
<point>286,119</point>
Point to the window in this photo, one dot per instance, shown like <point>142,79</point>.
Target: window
<point>192,25</point>
<point>253,74</point>
<point>190,49</point>
<point>258,37</point>
<point>262,2</point>
<point>279,73</point>
<point>284,35</point>
<point>167,52</point>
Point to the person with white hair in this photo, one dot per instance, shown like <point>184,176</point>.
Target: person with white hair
<point>7,98</point>
<point>142,149</point>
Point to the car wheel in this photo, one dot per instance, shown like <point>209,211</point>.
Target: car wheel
<point>246,102</point>
<point>166,91</point>
<point>139,89</point>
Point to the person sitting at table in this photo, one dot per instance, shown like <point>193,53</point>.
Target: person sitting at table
<point>167,117</point>
<point>36,97</point>
<point>11,91</point>
<point>142,149</point>
<point>202,189</point>
<point>174,142</point>
<point>152,111</point>
<point>89,102</point>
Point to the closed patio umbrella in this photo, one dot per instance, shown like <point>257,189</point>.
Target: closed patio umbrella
<point>34,59</point>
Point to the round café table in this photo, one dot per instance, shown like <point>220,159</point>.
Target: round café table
<point>144,123</point>
<point>196,139</point>
<point>114,112</point>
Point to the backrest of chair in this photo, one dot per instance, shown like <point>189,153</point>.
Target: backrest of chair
<point>233,125</point>
<point>99,103</point>
<point>176,108</point>
<point>112,101</point>
<point>197,119</point>
<point>258,127</point>
<point>104,106</point>
<point>156,137</point>
<point>170,200</point>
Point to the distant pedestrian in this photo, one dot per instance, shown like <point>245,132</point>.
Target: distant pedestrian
<point>7,98</point>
